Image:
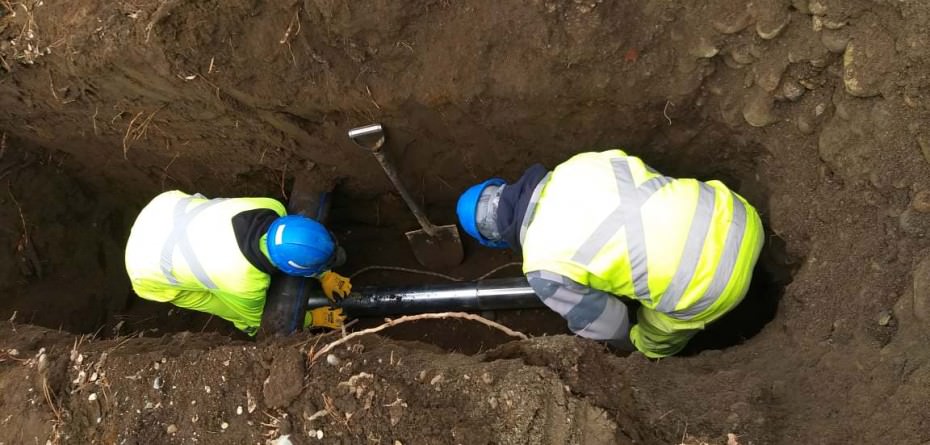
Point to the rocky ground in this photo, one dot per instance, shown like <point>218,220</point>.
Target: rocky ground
<point>813,110</point>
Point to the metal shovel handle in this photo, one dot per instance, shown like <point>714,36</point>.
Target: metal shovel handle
<point>375,132</point>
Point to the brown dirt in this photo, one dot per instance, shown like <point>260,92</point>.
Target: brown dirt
<point>818,122</point>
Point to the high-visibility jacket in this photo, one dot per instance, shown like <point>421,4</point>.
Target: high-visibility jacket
<point>683,248</point>
<point>182,249</point>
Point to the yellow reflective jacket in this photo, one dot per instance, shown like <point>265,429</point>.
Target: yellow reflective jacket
<point>682,247</point>
<point>182,249</point>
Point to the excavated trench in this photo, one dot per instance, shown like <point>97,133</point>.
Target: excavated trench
<point>112,309</point>
<point>812,110</point>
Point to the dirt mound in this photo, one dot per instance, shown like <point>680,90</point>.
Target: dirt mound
<point>187,389</point>
<point>813,110</point>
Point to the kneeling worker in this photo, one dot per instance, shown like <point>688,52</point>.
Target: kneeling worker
<point>605,225</point>
<point>217,255</point>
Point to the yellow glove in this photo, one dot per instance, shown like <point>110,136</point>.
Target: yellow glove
<point>335,284</point>
<point>324,317</point>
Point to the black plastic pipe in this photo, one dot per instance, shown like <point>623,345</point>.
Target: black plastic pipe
<point>487,295</point>
<point>284,301</point>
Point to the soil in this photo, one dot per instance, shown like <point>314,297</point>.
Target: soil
<point>812,110</point>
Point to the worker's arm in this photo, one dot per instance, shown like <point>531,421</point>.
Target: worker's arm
<point>590,313</point>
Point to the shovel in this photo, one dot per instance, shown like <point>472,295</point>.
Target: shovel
<point>434,246</point>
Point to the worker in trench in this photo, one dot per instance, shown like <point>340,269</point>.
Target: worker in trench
<point>606,226</point>
<point>217,256</point>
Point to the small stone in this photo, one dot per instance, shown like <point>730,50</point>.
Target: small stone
<point>805,125</point>
<point>421,376</point>
<point>792,90</point>
<point>157,383</point>
<point>729,61</point>
<point>397,442</point>
<point>733,22</point>
<point>703,49</point>
<point>207,389</point>
<point>820,109</point>
<point>742,55</point>
<point>758,109</point>
<point>921,201</point>
<point>914,223</point>
<point>239,410</point>
<point>319,434</point>
<point>172,429</point>
<point>92,397</point>
<point>492,401</point>
<point>436,380</point>
<point>884,318</point>
<point>224,425</point>
<point>833,24</point>
<point>834,41</point>
<point>486,378</point>
<point>284,439</point>
<point>816,23</point>
<point>768,73</point>
<point>332,359</point>
<point>819,63</point>
<point>772,17</point>
<point>816,7</point>
<point>771,30</point>
<point>865,64</point>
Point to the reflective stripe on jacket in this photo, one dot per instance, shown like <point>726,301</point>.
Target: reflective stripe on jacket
<point>182,249</point>
<point>682,247</point>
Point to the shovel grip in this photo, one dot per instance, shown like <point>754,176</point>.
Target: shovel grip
<point>369,137</point>
<point>427,226</point>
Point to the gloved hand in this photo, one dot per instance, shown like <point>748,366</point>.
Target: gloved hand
<point>324,317</point>
<point>335,284</point>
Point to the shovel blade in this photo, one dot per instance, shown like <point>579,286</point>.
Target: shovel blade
<point>442,251</point>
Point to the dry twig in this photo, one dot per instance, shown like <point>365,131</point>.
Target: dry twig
<point>432,274</point>
<point>404,269</point>
<point>286,39</point>
<point>135,132</point>
<point>93,119</point>
<point>408,318</point>
<point>498,269</point>
<point>22,218</point>
<point>283,177</point>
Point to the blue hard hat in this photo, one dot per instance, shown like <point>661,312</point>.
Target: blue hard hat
<point>467,209</point>
<point>299,246</point>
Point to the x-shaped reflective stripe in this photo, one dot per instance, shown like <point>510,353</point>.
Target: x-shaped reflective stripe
<point>179,238</point>
<point>626,215</point>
